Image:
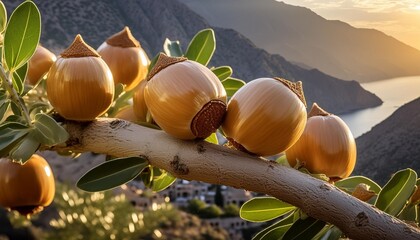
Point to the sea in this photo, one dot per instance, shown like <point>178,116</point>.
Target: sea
<point>394,93</point>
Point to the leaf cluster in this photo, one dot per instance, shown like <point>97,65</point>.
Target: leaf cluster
<point>396,198</point>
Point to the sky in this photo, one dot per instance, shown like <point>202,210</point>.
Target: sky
<point>398,18</point>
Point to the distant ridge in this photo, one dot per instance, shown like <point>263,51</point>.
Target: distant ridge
<point>152,21</point>
<point>302,36</point>
<point>392,145</point>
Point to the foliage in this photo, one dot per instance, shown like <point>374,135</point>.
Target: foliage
<point>84,215</point>
<point>211,211</point>
<point>22,131</point>
<point>394,198</point>
<point>231,210</point>
<point>195,205</point>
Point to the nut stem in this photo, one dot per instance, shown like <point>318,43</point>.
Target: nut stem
<point>296,88</point>
<point>123,39</point>
<point>317,111</point>
<point>162,62</point>
<point>79,49</point>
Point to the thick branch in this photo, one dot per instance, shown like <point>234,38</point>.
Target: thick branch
<point>197,160</point>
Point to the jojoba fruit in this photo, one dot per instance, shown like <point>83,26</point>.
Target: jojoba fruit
<point>80,85</point>
<point>26,188</point>
<point>185,98</point>
<point>266,116</point>
<point>326,146</point>
<point>126,58</point>
<point>139,104</point>
<point>39,64</point>
<point>127,113</point>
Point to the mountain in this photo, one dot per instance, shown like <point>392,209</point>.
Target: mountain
<point>152,21</point>
<point>392,145</point>
<point>302,36</point>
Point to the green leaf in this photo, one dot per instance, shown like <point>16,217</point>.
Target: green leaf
<point>222,72</point>
<point>38,106</point>
<point>13,125</point>
<point>232,85</point>
<point>261,209</point>
<point>282,160</point>
<point>276,233</point>
<point>147,176</point>
<point>16,119</point>
<point>324,231</point>
<point>304,229</point>
<point>25,148</point>
<point>172,48</point>
<point>3,94</point>
<point>287,220</point>
<point>111,174</point>
<point>212,139</point>
<point>22,35</point>
<point>409,213</point>
<point>48,131</point>
<point>202,46</point>
<point>118,90</point>
<point>19,78</point>
<point>4,105</point>
<point>333,234</point>
<point>15,109</point>
<point>3,17</point>
<point>161,180</point>
<point>396,192</point>
<point>349,184</point>
<point>10,135</point>
<point>153,62</point>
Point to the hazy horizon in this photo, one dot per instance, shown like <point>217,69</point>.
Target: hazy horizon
<point>399,19</point>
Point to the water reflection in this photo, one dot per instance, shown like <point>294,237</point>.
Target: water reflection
<point>394,92</point>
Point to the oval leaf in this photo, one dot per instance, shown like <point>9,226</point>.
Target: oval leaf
<point>10,135</point>
<point>153,62</point>
<point>349,184</point>
<point>19,78</point>
<point>222,72</point>
<point>232,85</point>
<point>22,35</point>
<point>4,106</point>
<point>15,108</point>
<point>409,213</point>
<point>111,174</point>
<point>304,229</point>
<point>261,209</point>
<point>25,148</point>
<point>212,139</point>
<point>172,48</point>
<point>276,233</point>
<point>285,221</point>
<point>333,234</point>
<point>3,17</point>
<point>396,192</point>
<point>48,131</point>
<point>161,180</point>
<point>202,46</point>
<point>147,176</point>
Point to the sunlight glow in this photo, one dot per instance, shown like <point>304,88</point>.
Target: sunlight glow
<point>417,7</point>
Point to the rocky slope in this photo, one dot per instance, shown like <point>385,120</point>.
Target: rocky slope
<point>300,35</point>
<point>392,145</point>
<point>152,21</point>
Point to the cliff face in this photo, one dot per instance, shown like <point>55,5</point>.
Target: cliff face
<point>391,145</point>
<point>152,21</point>
<point>301,35</point>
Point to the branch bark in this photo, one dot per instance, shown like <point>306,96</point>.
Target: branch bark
<point>202,161</point>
